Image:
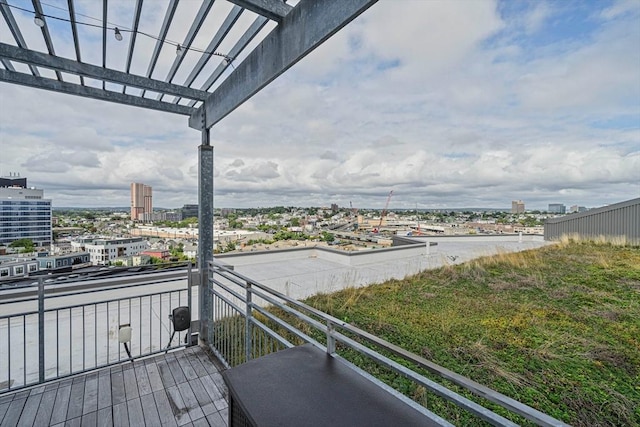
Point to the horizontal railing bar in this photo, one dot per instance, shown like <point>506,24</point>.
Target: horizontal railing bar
<point>415,405</point>
<point>436,388</point>
<point>300,315</point>
<point>289,327</point>
<point>272,333</point>
<point>231,291</point>
<point>70,292</point>
<point>233,305</point>
<point>12,316</point>
<point>109,301</point>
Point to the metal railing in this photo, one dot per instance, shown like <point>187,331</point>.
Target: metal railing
<point>59,333</point>
<point>250,320</point>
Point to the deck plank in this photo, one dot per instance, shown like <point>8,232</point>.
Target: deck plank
<point>202,422</point>
<point>59,414</point>
<point>105,417</point>
<point>118,394</point>
<point>176,370</point>
<point>120,415</point>
<point>90,403</point>
<point>75,400</point>
<point>196,364</point>
<point>165,374</point>
<point>206,362</point>
<point>90,419</point>
<point>130,384</point>
<point>190,401</point>
<point>164,408</point>
<point>149,409</point>
<point>144,386</point>
<point>104,389</point>
<point>43,417</point>
<point>215,420</point>
<point>155,380</point>
<point>211,388</point>
<point>30,410</point>
<point>135,412</point>
<point>3,409</point>
<point>178,406</point>
<point>187,369</point>
<point>12,416</point>
<point>74,422</point>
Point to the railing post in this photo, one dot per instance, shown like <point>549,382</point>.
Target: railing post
<point>205,232</point>
<point>189,302</point>
<point>331,341</point>
<point>247,320</point>
<point>40,329</point>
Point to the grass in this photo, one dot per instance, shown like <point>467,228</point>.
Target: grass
<point>557,328</point>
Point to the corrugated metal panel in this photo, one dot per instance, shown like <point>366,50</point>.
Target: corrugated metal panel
<point>620,219</point>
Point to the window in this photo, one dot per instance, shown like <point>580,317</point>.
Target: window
<point>19,269</point>
<point>4,272</point>
<point>33,267</point>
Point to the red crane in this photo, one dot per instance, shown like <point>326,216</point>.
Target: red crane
<point>384,212</point>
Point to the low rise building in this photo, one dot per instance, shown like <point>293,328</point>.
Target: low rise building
<point>103,251</point>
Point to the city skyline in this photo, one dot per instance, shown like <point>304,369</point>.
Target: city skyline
<point>461,104</point>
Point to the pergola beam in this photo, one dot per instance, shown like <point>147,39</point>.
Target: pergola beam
<point>15,30</point>
<point>90,92</point>
<point>241,44</point>
<point>270,9</point>
<point>57,63</point>
<point>222,32</point>
<point>188,40</point>
<point>45,32</point>
<point>74,31</point>
<point>306,27</point>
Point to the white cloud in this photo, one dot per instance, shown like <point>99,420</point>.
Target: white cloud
<point>447,103</point>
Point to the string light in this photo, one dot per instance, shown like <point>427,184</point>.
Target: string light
<point>39,21</point>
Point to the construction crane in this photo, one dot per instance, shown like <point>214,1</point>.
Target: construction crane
<point>384,212</point>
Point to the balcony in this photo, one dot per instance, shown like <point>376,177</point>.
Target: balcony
<point>62,357</point>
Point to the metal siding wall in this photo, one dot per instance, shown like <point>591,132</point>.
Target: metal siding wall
<point>617,221</point>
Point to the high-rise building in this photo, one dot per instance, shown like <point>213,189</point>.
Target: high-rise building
<point>557,208</point>
<point>517,206</point>
<point>24,213</point>
<point>141,202</point>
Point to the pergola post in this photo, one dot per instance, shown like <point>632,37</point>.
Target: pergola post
<point>205,232</point>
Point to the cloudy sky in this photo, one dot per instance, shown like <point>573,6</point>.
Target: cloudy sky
<point>469,103</point>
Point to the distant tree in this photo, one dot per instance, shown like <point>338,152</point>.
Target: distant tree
<point>327,237</point>
<point>27,244</point>
<point>295,222</point>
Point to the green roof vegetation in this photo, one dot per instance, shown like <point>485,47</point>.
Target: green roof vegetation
<point>556,328</point>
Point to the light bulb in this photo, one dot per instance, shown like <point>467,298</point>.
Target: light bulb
<point>118,35</point>
<point>38,21</point>
<point>178,50</point>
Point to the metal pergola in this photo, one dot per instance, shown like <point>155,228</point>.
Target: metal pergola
<point>298,30</point>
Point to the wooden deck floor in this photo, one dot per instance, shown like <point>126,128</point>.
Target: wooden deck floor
<point>183,388</point>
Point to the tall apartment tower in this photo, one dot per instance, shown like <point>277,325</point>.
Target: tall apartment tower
<point>141,202</point>
<point>24,212</point>
<point>517,206</point>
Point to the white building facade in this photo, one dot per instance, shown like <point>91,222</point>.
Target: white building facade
<point>103,251</point>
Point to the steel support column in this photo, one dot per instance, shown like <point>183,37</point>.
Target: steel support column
<point>205,231</point>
